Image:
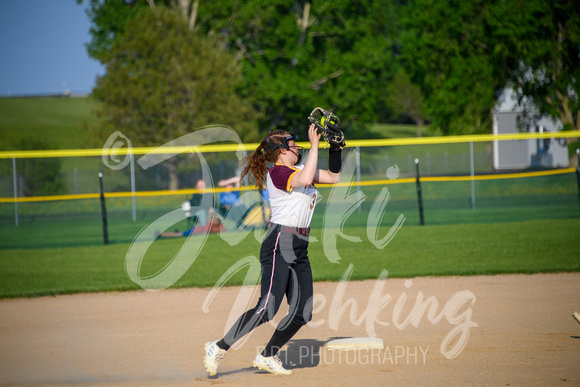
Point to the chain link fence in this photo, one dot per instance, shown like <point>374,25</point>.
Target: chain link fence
<point>56,201</point>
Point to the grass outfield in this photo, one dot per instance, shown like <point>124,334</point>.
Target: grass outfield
<point>70,223</point>
<point>508,232</point>
<point>464,249</point>
<point>63,122</point>
<point>51,231</point>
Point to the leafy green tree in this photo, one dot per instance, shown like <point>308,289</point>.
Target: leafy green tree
<point>109,20</point>
<point>463,54</point>
<point>162,81</point>
<point>447,53</point>
<point>405,99</point>
<point>298,55</point>
<point>295,55</point>
<point>539,42</point>
<point>342,54</point>
<point>40,176</point>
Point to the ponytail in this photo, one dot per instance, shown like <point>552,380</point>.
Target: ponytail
<point>255,164</point>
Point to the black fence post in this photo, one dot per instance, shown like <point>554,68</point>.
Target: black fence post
<point>264,217</point>
<point>419,194</point>
<point>103,211</point>
<point>578,172</point>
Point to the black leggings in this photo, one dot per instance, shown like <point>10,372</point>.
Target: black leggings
<point>285,271</point>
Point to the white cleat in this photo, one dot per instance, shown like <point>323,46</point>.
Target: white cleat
<point>213,357</point>
<point>270,364</point>
<point>576,316</point>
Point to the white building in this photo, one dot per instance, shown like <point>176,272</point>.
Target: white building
<point>522,154</point>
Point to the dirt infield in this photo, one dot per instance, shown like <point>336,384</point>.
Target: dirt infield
<point>495,330</point>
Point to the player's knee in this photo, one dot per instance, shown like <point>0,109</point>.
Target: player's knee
<point>307,313</point>
<point>268,307</point>
<point>303,318</point>
<point>267,314</point>
<point>301,321</point>
<point>263,315</point>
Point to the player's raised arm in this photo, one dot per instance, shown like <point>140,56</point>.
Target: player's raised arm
<point>305,177</point>
<point>329,125</point>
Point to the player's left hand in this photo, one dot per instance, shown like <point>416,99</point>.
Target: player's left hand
<point>313,136</point>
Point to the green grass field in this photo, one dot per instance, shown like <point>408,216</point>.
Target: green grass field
<point>464,249</point>
<point>524,225</point>
<point>69,223</point>
<point>61,123</point>
<point>52,233</point>
<point>64,123</point>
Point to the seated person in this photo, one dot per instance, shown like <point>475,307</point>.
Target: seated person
<point>265,195</point>
<point>204,217</point>
<point>213,225</point>
<point>228,198</point>
<point>202,199</point>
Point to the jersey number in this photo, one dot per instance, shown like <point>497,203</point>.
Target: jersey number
<point>313,202</point>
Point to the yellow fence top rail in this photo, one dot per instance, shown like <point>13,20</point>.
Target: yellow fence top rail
<point>252,188</point>
<point>251,146</point>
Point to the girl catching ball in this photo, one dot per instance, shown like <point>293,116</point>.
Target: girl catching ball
<point>284,252</point>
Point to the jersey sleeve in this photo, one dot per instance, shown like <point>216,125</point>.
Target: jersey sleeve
<point>281,176</point>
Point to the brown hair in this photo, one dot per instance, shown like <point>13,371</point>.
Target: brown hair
<point>255,163</point>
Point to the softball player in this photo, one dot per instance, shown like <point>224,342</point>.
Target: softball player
<point>284,252</point>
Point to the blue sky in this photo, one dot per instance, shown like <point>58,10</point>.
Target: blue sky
<point>42,48</point>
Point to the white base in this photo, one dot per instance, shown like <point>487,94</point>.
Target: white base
<point>356,343</point>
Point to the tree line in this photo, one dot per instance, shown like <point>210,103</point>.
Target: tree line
<point>173,66</point>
